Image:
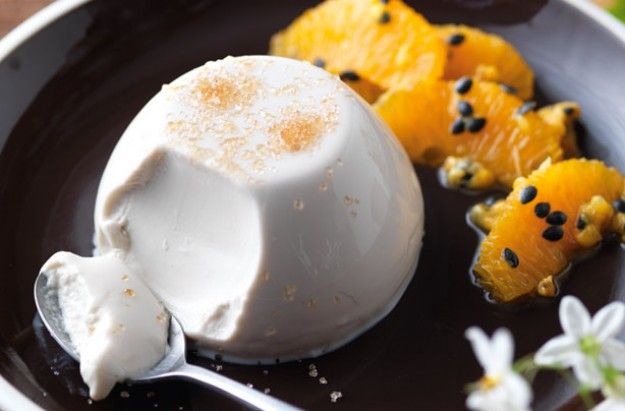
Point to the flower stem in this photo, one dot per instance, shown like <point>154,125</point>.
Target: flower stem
<point>526,367</point>
<point>586,395</point>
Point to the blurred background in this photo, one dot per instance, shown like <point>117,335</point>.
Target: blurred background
<point>616,7</point>
<point>12,12</point>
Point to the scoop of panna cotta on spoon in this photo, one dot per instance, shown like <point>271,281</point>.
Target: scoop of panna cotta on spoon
<point>265,206</point>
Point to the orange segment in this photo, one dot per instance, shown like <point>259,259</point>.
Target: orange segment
<point>387,44</point>
<point>487,56</point>
<point>537,235</point>
<point>564,115</point>
<point>510,144</point>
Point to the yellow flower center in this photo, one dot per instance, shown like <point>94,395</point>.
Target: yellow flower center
<point>488,382</point>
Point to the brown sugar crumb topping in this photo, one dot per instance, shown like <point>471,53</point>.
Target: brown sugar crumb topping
<point>225,119</point>
<point>224,92</point>
<point>298,132</point>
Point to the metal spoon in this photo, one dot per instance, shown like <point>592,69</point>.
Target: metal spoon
<point>173,365</point>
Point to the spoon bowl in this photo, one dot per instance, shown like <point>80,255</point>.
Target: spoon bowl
<point>173,366</point>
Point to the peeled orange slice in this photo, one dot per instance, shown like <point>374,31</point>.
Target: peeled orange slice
<point>385,42</point>
<point>475,53</point>
<point>564,115</point>
<point>473,121</point>
<point>550,218</point>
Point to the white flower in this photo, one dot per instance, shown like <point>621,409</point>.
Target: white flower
<point>587,344</point>
<point>500,389</point>
<point>611,404</point>
<point>614,393</point>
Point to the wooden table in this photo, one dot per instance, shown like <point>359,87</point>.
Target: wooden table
<point>13,12</point>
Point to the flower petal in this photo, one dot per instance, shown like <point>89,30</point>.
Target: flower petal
<point>483,401</point>
<point>481,347</point>
<point>608,321</point>
<point>475,400</point>
<point>502,346</point>
<point>610,405</point>
<point>562,350</point>
<point>518,391</point>
<point>587,373</point>
<point>574,317</point>
<point>614,352</point>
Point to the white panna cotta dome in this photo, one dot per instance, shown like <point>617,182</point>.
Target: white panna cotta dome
<point>268,207</point>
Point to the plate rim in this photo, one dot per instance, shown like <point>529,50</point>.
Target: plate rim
<point>35,23</point>
<point>13,399</point>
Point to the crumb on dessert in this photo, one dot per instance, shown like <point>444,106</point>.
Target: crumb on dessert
<point>266,276</point>
<point>162,317</point>
<point>298,204</point>
<point>289,292</point>
<point>119,328</point>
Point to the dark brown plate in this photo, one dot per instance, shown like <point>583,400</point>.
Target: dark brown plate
<point>67,93</point>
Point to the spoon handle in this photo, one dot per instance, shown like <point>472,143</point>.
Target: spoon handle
<point>231,388</point>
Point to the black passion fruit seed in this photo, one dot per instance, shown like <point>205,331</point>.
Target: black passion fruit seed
<point>474,125</point>
<point>553,233</point>
<point>463,85</point>
<point>349,75</point>
<point>528,194</point>
<point>455,39</point>
<point>556,218</point>
<point>510,257</point>
<point>542,210</point>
